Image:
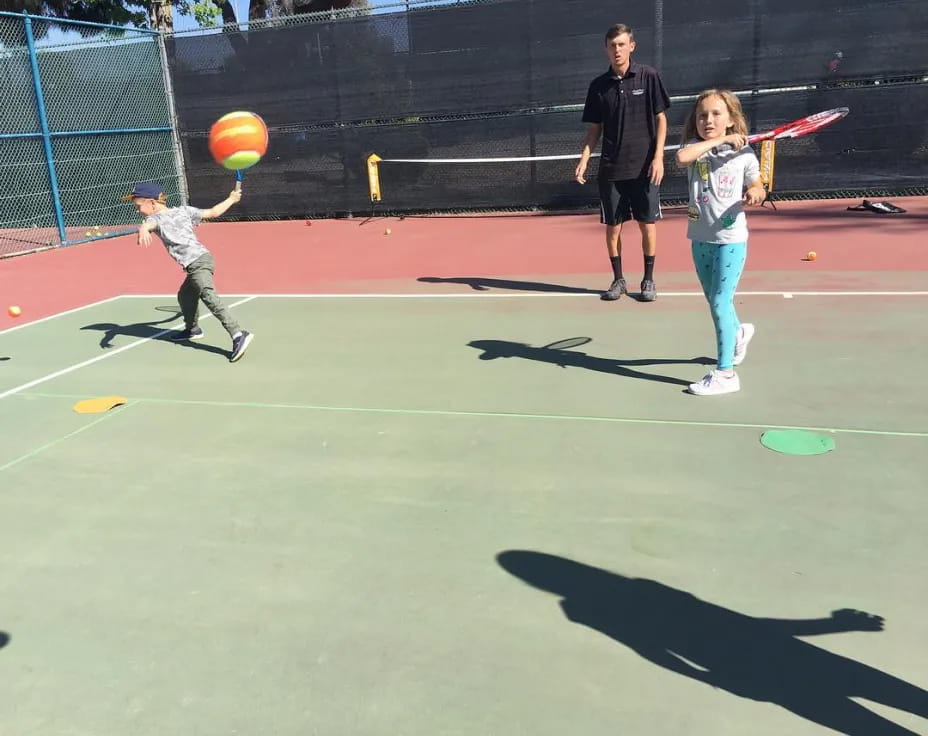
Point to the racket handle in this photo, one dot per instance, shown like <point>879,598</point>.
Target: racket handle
<point>238,180</point>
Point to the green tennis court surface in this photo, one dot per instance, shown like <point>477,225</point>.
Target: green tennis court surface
<point>309,541</point>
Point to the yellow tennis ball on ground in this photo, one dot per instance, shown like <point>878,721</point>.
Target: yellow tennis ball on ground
<point>811,255</point>
<point>14,311</point>
<point>387,231</point>
<point>238,140</point>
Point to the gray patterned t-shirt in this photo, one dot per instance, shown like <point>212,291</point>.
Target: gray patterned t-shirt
<point>175,226</point>
<point>716,183</point>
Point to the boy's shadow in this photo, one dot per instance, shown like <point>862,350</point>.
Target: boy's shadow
<point>479,283</point>
<point>493,349</point>
<point>147,330</point>
<point>757,658</point>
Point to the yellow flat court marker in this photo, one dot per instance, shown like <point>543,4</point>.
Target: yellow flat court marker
<point>99,405</point>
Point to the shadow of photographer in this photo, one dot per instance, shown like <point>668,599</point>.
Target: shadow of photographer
<point>757,658</point>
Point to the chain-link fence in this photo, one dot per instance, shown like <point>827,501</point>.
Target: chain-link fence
<point>85,115</point>
<point>508,78</point>
<point>88,109</point>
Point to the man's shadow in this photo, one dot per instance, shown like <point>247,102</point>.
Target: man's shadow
<point>757,658</point>
<point>148,330</point>
<point>480,283</point>
<point>493,349</point>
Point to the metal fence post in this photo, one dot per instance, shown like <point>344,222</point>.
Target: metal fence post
<point>658,34</point>
<point>172,111</point>
<point>46,133</point>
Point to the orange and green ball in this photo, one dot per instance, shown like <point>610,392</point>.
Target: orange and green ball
<point>238,140</point>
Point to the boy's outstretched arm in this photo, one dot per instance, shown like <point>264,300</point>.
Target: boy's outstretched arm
<point>218,210</point>
<point>145,234</point>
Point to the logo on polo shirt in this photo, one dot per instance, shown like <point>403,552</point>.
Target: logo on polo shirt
<point>638,91</point>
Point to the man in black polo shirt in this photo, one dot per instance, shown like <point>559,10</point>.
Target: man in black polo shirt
<point>626,107</point>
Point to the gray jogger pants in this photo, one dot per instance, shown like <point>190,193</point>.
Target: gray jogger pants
<point>198,286</point>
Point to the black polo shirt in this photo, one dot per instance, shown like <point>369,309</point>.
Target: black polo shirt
<point>626,107</point>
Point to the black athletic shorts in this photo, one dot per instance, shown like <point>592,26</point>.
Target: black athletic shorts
<point>629,198</point>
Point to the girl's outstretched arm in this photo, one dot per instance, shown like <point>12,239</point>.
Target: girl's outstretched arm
<point>689,153</point>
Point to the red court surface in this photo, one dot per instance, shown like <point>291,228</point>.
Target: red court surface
<point>855,251</point>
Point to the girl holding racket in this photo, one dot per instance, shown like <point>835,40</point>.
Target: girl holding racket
<point>723,175</point>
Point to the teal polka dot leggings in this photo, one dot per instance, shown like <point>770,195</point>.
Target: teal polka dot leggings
<point>719,269</point>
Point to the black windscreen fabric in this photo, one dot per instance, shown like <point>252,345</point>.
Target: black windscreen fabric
<point>504,78</point>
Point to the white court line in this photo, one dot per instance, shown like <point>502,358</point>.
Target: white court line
<point>535,294</point>
<point>107,354</point>
<point>58,314</point>
<point>249,297</point>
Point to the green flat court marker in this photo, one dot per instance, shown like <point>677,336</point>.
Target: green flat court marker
<point>796,442</point>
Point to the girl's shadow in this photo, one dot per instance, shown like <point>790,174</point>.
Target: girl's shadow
<point>758,658</point>
<point>493,349</point>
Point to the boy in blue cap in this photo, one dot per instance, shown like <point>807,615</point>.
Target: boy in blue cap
<point>175,226</point>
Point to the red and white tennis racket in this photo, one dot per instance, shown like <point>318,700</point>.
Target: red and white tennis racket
<point>797,128</point>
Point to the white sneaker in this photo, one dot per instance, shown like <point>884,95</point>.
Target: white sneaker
<point>745,333</point>
<point>716,383</point>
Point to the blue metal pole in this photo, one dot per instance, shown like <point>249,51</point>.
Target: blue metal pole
<point>46,136</point>
<point>115,131</point>
<point>4,136</point>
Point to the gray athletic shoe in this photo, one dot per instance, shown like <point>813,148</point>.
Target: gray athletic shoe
<point>648,291</point>
<point>194,333</point>
<point>614,291</point>
<point>240,345</point>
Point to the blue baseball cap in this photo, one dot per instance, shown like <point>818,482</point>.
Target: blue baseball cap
<point>144,190</point>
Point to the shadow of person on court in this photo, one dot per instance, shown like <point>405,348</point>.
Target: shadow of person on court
<point>757,658</point>
<point>149,330</point>
<point>480,283</point>
<point>4,639</point>
<point>493,349</point>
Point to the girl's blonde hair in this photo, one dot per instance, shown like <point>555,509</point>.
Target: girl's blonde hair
<point>739,123</point>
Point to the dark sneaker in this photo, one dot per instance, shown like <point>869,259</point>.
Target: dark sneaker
<point>614,291</point>
<point>240,345</point>
<point>194,333</point>
<point>648,291</point>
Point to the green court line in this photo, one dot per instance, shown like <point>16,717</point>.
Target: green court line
<point>498,414</point>
<point>49,445</point>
